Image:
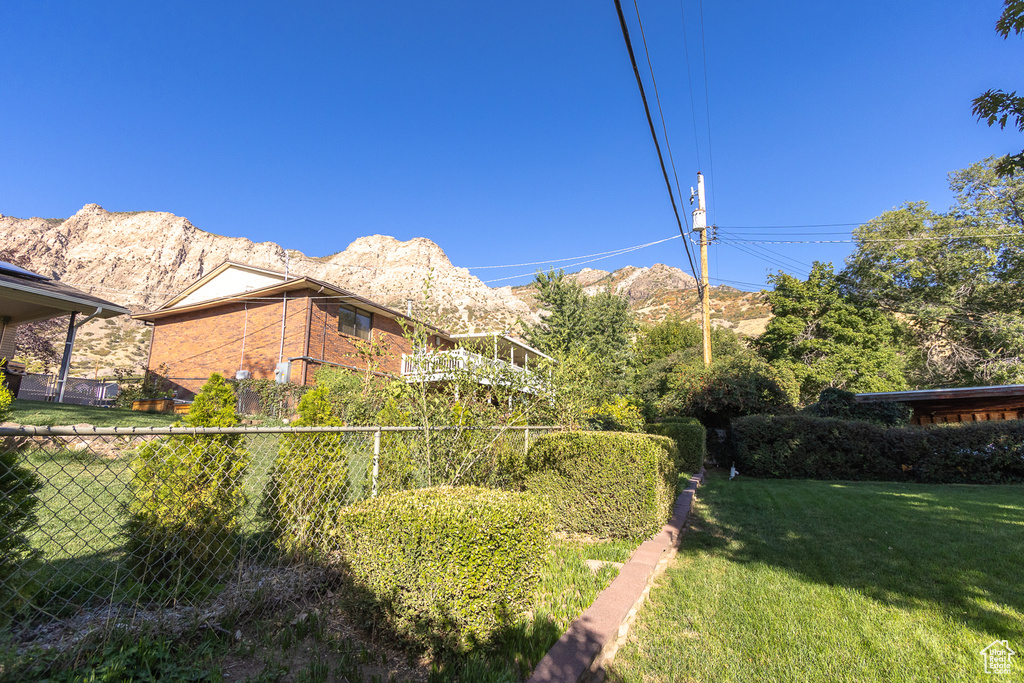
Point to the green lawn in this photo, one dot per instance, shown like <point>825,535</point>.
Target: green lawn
<point>46,414</point>
<point>79,537</point>
<point>831,581</point>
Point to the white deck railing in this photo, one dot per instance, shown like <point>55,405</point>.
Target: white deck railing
<point>435,366</point>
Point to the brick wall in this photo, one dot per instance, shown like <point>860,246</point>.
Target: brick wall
<point>326,343</point>
<point>247,336</point>
<point>228,338</point>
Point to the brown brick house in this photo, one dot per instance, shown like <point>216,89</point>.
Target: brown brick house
<point>239,319</point>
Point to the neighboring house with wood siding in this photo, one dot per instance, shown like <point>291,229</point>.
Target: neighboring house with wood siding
<point>966,404</point>
<point>239,319</point>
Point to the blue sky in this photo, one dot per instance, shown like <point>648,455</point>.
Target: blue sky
<point>507,132</point>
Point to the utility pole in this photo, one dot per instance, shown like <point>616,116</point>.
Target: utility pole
<point>700,224</point>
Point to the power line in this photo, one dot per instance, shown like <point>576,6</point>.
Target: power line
<point>707,108</point>
<point>780,234</point>
<point>657,98</point>
<point>738,282</point>
<point>613,252</point>
<point>768,259</point>
<point>571,265</point>
<point>881,239</point>
<point>689,82</point>
<point>654,135</point>
<point>782,227</point>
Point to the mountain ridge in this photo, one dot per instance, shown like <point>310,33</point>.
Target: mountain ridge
<point>141,259</point>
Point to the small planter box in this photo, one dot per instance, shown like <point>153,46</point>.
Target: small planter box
<point>160,405</point>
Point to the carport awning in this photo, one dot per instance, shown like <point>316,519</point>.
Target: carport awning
<point>26,297</point>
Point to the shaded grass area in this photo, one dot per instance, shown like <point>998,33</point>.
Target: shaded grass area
<point>830,581</point>
<point>80,515</point>
<point>78,530</point>
<point>47,414</point>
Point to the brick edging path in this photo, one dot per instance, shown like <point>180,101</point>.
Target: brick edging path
<point>595,636</point>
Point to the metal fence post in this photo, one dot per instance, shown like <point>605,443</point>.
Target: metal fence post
<point>526,441</point>
<point>376,461</point>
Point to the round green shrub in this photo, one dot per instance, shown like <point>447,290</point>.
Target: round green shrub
<point>690,438</point>
<point>443,567</point>
<point>605,484</point>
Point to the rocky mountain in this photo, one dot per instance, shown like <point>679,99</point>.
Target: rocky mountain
<point>661,292</point>
<point>140,259</point>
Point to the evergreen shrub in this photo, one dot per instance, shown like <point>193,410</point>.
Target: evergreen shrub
<point>690,438</point>
<point>309,481</point>
<point>799,446</point>
<point>18,488</point>
<point>605,484</point>
<point>444,567</point>
<point>844,406</point>
<point>187,497</point>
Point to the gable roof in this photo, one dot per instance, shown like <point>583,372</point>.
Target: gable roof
<point>193,293</point>
<point>181,303</point>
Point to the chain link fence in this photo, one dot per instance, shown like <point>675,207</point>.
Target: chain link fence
<point>172,527</point>
<point>79,390</point>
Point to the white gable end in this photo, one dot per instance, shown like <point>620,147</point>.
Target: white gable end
<point>234,280</point>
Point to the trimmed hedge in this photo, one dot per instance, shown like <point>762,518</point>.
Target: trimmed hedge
<point>803,447</point>
<point>444,567</point>
<point>606,484</point>
<point>690,438</point>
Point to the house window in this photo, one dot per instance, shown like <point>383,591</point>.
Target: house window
<point>354,322</point>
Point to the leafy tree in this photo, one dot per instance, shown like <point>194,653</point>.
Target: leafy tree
<point>564,327</point>
<point>826,340</point>
<point>729,388</point>
<point>309,482</point>
<point>609,325</point>
<point>619,415</point>
<point>843,405</point>
<point>956,277</point>
<point>599,325</point>
<point>665,338</point>
<point>666,347</point>
<point>999,106</point>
